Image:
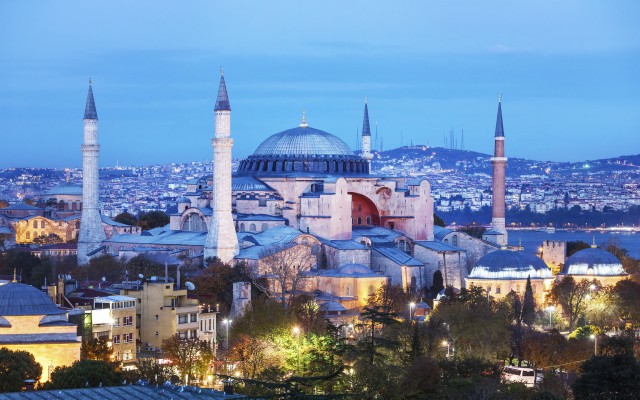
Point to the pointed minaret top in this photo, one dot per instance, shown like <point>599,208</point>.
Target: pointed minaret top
<point>90,109</point>
<point>499,127</point>
<point>366,129</point>
<point>303,123</point>
<point>593,243</point>
<point>222,103</point>
<point>15,278</point>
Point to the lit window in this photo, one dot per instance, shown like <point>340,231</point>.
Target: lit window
<point>116,339</point>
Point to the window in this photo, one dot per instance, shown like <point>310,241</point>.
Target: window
<point>127,321</point>
<point>156,317</point>
<point>455,240</point>
<point>156,333</point>
<point>359,220</point>
<point>116,339</point>
<point>42,224</point>
<point>182,334</point>
<point>372,290</point>
<point>28,235</point>
<point>264,227</point>
<point>128,337</point>
<point>368,220</point>
<point>183,318</point>
<point>193,317</point>
<point>252,228</point>
<point>116,322</point>
<point>35,224</point>
<point>498,289</point>
<point>242,227</point>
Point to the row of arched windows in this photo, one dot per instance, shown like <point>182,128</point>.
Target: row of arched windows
<point>305,166</point>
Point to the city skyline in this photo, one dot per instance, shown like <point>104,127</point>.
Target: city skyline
<point>566,82</point>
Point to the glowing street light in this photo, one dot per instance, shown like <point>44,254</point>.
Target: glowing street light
<point>595,344</point>
<point>411,306</point>
<point>227,322</point>
<point>448,345</point>
<point>296,332</point>
<point>550,310</point>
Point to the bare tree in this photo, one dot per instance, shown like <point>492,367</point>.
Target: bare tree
<point>281,268</point>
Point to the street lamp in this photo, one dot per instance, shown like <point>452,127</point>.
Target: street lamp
<point>227,323</point>
<point>595,344</point>
<point>550,310</point>
<point>446,343</point>
<point>411,306</point>
<point>296,333</point>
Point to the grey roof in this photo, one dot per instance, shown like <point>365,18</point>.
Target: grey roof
<point>90,108</point>
<point>593,261</point>
<point>377,234</point>
<point>258,217</point>
<point>222,102</point>
<point>303,140</point>
<point>278,234</point>
<point>437,246</point>
<point>349,270</point>
<point>366,129</point>
<point>127,392</point>
<point>344,244</point>
<point>499,128</point>
<point>507,264</point>
<point>109,221</point>
<point>332,306</point>
<point>439,232</point>
<point>249,184</point>
<point>65,189</point>
<point>162,236</point>
<point>397,256</point>
<point>22,207</point>
<point>20,299</point>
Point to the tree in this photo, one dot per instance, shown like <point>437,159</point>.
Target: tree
<point>51,238</point>
<point>152,219</point>
<point>190,356</point>
<point>627,297</point>
<point>473,230</point>
<point>437,221</point>
<point>96,349</point>
<point>438,283</point>
<point>126,218</point>
<point>16,367</point>
<point>575,246</point>
<point>615,376</point>
<point>283,265</point>
<point>528,305</point>
<point>571,295</point>
<point>150,370</point>
<point>213,284</point>
<point>84,373</point>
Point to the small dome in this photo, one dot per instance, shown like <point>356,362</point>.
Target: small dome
<point>21,299</point>
<point>355,269</point>
<point>593,261</point>
<point>507,264</point>
<point>303,141</point>
<point>66,189</point>
<point>332,306</point>
<point>183,200</point>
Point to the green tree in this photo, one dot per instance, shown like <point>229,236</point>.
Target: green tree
<point>213,284</point>
<point>84,373</point>
<point>473,230</point>
<point>575,246</point>
<point>627,297</point>
<point>437,221</point>
<point>16,367</point>
<point>190,356</point>
<point>126,218</point>
<point>615,376</point>
<point>528,305</point>
<point>152,219</point>
<point>96,349</point>
<point>572,296</point>
<point>150,370</point>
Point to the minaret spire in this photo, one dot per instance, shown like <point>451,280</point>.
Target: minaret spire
<point>499,163</point>
<point>366,135</point>
<point>91,232</point>
<point>222,242</point>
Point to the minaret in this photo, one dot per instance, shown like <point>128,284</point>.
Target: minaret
<point>366,136</point>
<point>222,241</point>
<point>499,162</point>
<point>91,231</point>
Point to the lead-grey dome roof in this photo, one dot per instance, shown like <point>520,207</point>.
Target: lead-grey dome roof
<point>507,264</point>
<point>593,261</point>
<point>303,141</point>
<point>21,299</point>
<point>65,189</point>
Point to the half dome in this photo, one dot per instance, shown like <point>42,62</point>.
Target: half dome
<point>507,264</point>
<point>21,299</point>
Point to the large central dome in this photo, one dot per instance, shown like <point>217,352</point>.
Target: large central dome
<point>303,141</point>
<point>303,151</point>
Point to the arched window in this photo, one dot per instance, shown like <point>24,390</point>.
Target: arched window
<point>42,224</point>
<point>498,289</point>
<point>454,241</point>
<point>348,290</point>
<point>263,228</point>
<point>488,288</point>
<point>446,241</point>
<point>328,288</point>
<point>274,166</point>
<point>359,206</point>
<point>28,235</point>
<point>242,227</point>
<point>194,223</point>
<point>252,228</point>
<point>372,290</point>
<point>359,220</point>
<point>368,220</point>
<point>35,224</point>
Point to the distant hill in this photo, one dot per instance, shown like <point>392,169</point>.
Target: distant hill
<point>420,158</point>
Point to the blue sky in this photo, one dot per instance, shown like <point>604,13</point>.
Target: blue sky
<point>568,72</point>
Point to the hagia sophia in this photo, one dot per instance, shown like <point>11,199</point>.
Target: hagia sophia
<point>304,191</point>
